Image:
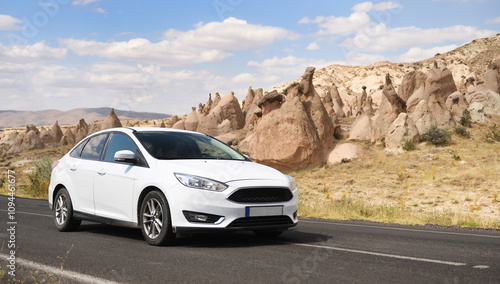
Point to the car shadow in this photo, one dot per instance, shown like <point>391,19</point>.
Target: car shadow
<point>115,231</point>
<point>213,240</point>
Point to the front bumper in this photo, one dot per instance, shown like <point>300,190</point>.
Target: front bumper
<point>222,214</point>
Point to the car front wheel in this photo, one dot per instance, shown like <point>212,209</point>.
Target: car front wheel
<point>63,212</point>
<point>155,221</point>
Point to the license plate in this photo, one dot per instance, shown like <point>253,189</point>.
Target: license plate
<point>258,211</point>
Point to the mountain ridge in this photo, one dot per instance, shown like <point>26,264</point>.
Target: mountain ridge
<point>17,118</point>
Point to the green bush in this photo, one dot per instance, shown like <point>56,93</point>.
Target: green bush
<point>408,145</point>
<point>494,133</point>
<point>438,136</point>
<point>459,130</point>
<point>40,177</point>
<point>466,120</point>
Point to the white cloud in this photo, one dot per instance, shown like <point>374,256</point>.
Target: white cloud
<point>418,53</point>
<point>37,52</point>
<point>494,21</point>
<point>9,23</point>
<point>231,34</point>
<point>123,34</point>
<point>359,19</point>
<point>142,50</point>
<point>286,68</point>
<point>83,2</point>
<point>244,78</point>
<point>110,67</point>
<point>206,43</point>
<point>362,34</point>
<point>332,25</point>
<point>382,38</point>
<point>313,46</point>
<point>100,11</point>
<point>386,6</point>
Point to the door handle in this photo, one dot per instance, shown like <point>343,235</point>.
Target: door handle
<point>73,168</point>
<point>102,172</point>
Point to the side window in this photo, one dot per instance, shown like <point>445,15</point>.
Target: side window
<point>119,142</point>
<point>94,147</point>
<point>78,150</point>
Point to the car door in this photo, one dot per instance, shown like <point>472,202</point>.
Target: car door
<point>114,183</point>
<point>82,165</point>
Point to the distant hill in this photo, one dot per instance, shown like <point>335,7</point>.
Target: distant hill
<point>12,118</point>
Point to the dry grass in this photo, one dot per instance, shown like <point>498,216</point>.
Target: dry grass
<point>459,185</point>
<point>23,165</point>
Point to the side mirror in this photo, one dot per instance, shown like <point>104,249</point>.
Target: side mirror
<point>126,156</point>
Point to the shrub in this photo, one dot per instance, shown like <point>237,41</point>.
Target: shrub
<point>466,120</point>
<point>462,131</point>
<point>438,136</point>
<point>40,177</point>
<point>494,133</point>
<point>408,145</point>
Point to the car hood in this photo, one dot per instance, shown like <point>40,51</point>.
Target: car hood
<point>222,170</point>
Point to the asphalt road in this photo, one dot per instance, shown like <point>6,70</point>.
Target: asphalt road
<point>316,251</point>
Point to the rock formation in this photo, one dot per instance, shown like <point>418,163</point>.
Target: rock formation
<point>438,85</point>
<point>68,137</point>
<point>362,127</point>
<point>390,107</point>
<point>295,135</point>
<point>192,121</point>
<point>401,130</point>
<point>29,140</point>
<point>81,131</point>
<point>111,121</point>
<point>172,121</point>
<point>270,102</point>
<point>338,104</point>
<point>457,104</point>
<point>411,82</point>
<point>491,76</point>
<point>488,98</point>
<point>251,106</point>
<point>422,117</point>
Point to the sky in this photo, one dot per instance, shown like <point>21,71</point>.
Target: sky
<point>167,56</point>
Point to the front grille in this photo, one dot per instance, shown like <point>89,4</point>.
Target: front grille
<point>261,222</point>
<point>261,195</point>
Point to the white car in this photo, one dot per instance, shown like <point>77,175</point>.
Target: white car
<point>168,183</point>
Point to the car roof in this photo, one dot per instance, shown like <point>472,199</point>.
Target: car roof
<point>147,129</point>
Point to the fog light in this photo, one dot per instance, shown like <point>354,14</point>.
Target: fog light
<point>198,217</point>
<point>295,215</point>
<point>201,218</point>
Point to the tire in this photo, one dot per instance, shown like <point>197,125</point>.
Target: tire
<point>268,233</point>
<point>155,221</point>
<point>63,212</point>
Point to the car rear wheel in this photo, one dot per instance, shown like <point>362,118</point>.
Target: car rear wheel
<point>155,221</point>
<point>63,212</point>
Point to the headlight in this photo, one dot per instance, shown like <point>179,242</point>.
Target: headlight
<point>291,182</point>
<point>200,182</point>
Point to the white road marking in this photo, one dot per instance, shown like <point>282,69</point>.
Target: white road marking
<point>400,229</point>
<point>67,274</point>
<point>29,213</point>
<point>481,267</point>
<point>384,254</point>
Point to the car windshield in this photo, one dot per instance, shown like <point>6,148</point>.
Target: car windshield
<point>179,145</point>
